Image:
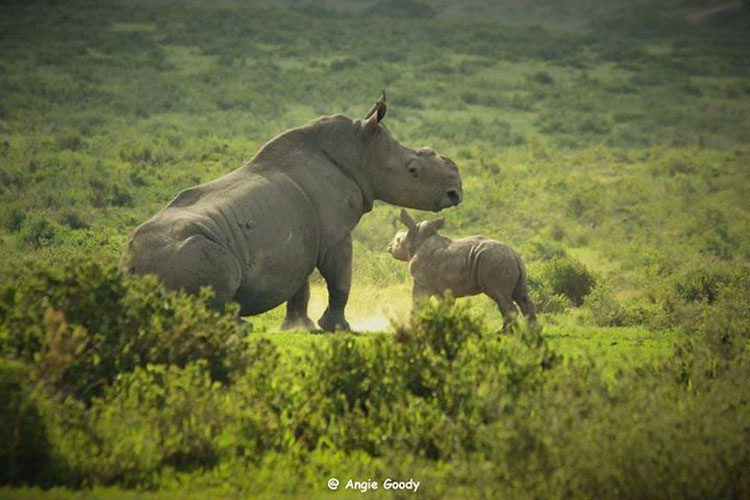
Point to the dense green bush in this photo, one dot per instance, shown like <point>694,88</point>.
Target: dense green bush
<point>423,391</point>
<point>154,417</point>
<point>701,282</point>
<point>83,325</point>
<point>37,231</point>
<point>559,283</point>
<point>440,392</point>
<point>721,338</point>
<point>24,453</point>
<point>410,9</point>
<point>569,277</point>
<point>606,310</point>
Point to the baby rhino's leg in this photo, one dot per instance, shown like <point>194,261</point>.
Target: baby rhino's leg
<point>527,306</point>
<point>498,281</point>
<point>419,293</point>
<point>507,309</point>
<point>521,294</point>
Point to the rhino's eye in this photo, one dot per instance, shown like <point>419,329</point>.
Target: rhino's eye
<point>412,168</point>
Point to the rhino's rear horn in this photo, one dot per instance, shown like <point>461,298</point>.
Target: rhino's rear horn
<point>379,106</point>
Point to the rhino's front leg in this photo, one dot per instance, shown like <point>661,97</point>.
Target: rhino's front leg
<point>296,311</point>
<point>419,293</point>
<point>336,269</point>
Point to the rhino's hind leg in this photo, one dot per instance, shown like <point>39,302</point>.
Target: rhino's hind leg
<point>497,281</point>
<point>507,310</point>
<point>526,305</point>
<point>296,311</point>
<point>521,296</point>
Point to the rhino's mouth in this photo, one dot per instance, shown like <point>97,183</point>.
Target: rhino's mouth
<point>451,198</point>
<point>454,195</point>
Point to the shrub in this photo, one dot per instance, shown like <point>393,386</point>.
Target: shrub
<point>427,389</point>
<point>73,220</point>
<point>402,9</point>
<point>544,248</point>
<point>23,445</point>
<point>700,282</point>
<point>12,218</point>
<point>85,325</point>
<point>489,413</point>
<point>542,77</point>
<point>722,336</point>
<point>103,194</point>
<point>154,417</point>
<point>567,276</point>
<point>606,310</point>
<point>38,231</point>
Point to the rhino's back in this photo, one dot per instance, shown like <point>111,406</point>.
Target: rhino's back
<point>265,224</point>
<point>494,265</point>
<point>466,265</point>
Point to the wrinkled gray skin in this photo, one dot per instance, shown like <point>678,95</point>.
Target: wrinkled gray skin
<point>256,234</point>
<point>468,266</point>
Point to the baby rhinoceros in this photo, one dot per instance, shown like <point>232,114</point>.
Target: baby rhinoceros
<point>467,266</point>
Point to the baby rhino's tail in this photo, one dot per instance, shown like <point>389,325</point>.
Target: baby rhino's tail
<point>521,293</point>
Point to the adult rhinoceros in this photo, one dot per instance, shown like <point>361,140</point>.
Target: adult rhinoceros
<point>256,234</point>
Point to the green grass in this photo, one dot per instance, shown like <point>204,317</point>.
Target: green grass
<point>612,348</point>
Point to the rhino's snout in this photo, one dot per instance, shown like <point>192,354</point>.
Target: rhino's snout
<point>454,196</point>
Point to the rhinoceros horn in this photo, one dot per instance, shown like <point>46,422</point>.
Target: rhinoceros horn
<point>379,106</point>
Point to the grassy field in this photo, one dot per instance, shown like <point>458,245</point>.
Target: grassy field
<point>607,142</point>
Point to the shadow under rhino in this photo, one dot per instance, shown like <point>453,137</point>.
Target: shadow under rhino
<point>256,234</point>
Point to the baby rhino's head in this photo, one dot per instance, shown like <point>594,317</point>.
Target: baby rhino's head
<point>405,244</point>
<point>397,246</point>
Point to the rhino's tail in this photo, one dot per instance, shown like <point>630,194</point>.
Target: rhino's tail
<point>521,293</point>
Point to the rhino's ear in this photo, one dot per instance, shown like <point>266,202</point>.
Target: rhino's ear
<point>407,220</point>
<point>378,109</point>
<point>371,124</point>
<point>382,107</point>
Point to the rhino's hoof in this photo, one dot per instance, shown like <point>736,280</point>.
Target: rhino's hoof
<point>329,324</point>
<point>304,324</point>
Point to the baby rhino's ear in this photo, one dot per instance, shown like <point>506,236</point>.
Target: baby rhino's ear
<point>436,225</point>
<point>407,220</point>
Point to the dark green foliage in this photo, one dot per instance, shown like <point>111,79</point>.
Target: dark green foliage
<point>154,417</point>
<point>701,283</point>
<point>103,194</point>
<point>606,310</point>
<point>567,276</point>
<point>37,230</point>
<point>12,218</point>
<point>441,393</point>
<point>402,9</point>
<point>24,453</point>
<point>84,326</point>
<point>719,342</point>
<point>542,77</point>
<point>73,220</point>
